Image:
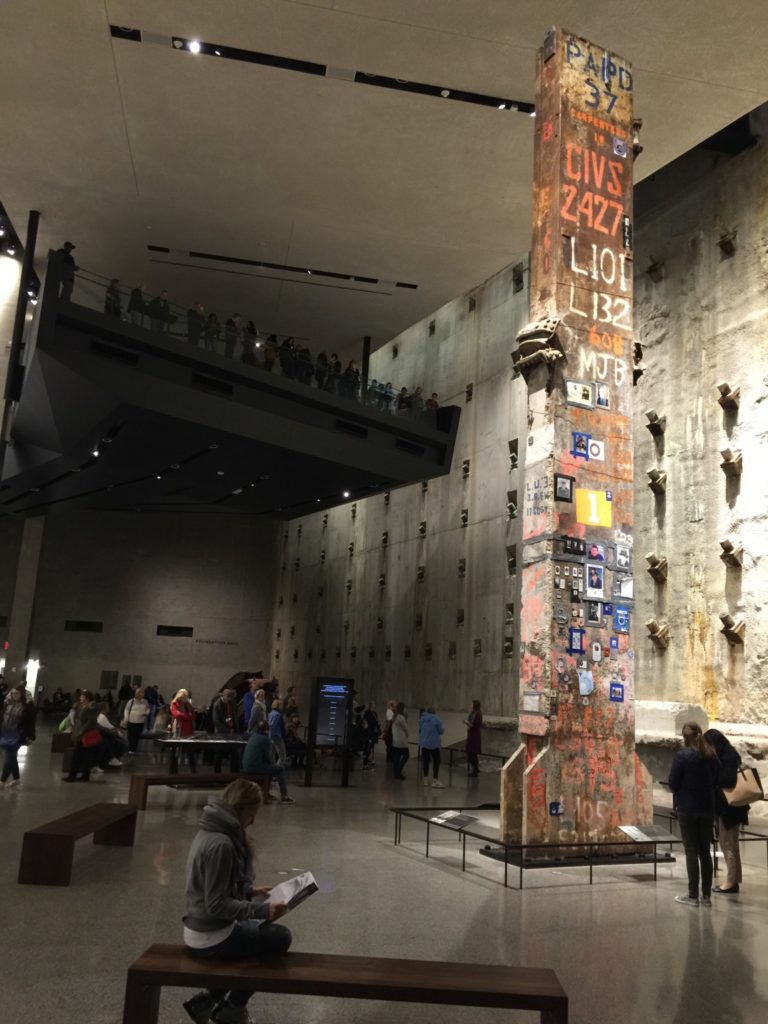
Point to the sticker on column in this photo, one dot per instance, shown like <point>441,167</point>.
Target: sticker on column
<point>586,683</point>
<point>621,619</point>
<point>596,450</point>
<point>593,508</point>
<point>580,393</point>
<point>614,646</point>
<point>595,582</point>
<point>580,449</point>
<point>602,396</point>
<point>555,808</point>
<point>597,651</point>
<point>575,640</point>
<point>617,693</point>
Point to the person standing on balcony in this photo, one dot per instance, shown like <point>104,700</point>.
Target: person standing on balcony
<point>68,268</point>
<point>211,333</point>
<point>137,306</point>
<point>195,323</point>
<point>112,306</point>
<point>232,334</point>
<point>159,311</point>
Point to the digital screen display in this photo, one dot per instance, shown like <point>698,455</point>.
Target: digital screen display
<point>332,712</point>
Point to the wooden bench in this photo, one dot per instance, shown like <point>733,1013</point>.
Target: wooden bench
<point>137,793</point>
<point>47,851</point>
<point>346,977</point>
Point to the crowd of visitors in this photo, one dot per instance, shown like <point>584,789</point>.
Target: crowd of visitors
<point>238,338</point>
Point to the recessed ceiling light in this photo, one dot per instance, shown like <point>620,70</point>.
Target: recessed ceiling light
<point>502,106</point>
<point>194,46</point>
<point>11,250</point>
<point>445,93</point>
<point>178,43</point>
<point>95,453</point>
<point>345,494</point>
<point>217,52</point>
<point>2,232</point>
<point>158,476</point>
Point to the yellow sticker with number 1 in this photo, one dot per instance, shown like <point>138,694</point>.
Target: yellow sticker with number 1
<point>593,508</point>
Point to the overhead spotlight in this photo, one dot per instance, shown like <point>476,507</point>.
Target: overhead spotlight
<point>33,301</point>
<point>345,494</point>
<point>445,93</point>
<point>309,272</point>
<point>258,344</point>
<point>2,231</point>
<point>11,250</point>
<point>194,46</point>
<point>217,52</point>
<point>158,476</point>
<point>31,292</point>
<point>178,44</point>
<point>532,113</point>
<point>95,453</point>
<point>502,106</point>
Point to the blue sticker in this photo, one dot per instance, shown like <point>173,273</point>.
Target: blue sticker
<point>575,641</point>
<point>614,643</point>
<point>621,618</point>
<point>617,693</point>
<point>609,495</point>
<point>607,608</point>
<point>555,808</point>
<point>619,147</point>
<point>580,449</point>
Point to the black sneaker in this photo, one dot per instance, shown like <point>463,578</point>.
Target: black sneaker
<point>200,1007</point>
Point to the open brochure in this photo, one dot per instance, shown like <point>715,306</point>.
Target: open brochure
<point>294,891</point>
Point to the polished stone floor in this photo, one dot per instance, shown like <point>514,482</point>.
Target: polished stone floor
<point>624,951</point>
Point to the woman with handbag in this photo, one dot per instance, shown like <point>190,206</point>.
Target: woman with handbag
<point>87,739</point>
<point>17,728</point>
<point>729,818</point>
<point>692,779</point>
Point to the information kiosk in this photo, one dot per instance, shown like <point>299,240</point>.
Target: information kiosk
<point>330,722</point>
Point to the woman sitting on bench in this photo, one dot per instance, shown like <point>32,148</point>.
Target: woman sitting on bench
<point>227,918</point>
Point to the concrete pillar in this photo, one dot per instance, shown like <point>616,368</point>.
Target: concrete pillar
<point>10,276</point>
<point>577,766</point>
<point>22,606</point>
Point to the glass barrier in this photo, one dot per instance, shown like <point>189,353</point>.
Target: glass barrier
<point>239,339</point>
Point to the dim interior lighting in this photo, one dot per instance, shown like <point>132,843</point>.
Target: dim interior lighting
<point>194,46</point>
<point>345,494</point>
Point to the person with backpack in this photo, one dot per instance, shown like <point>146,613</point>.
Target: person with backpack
<point>134,719</point>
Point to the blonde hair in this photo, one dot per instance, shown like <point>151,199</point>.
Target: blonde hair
<point>181,694</point>
<point>242,793</point>
<point>692,737</point>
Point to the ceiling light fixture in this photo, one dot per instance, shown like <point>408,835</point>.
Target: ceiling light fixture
<point>217,52</point>
<point>194,46</point>
<point>345,494</point>
<point>95,453</point>
<point>11,250</point>
<point>445,93</point>
<point>502,106</point>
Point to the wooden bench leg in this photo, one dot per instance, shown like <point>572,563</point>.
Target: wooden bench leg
<point>119,833</point>
<point>142,1002</point>
<point>46,860</point>
<point>137,794</point>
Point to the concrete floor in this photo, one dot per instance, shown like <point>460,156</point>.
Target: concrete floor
<point>624,951</point>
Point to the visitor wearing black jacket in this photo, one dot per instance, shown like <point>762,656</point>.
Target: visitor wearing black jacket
<point>728,818</point>
<point>692,779</point>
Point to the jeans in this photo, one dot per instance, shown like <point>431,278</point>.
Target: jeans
<point>248,940</point>
<point>400,757</point>
<point>278,744</point>
<point>11,762</point>
<point>276,771</point>
<point>696,832</point>
<point>430,754</point>
<point>135,729</point>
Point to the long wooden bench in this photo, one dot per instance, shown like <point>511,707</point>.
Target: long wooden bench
<point>47,851</point>
<point>346,977</point>
<point>137,793</point>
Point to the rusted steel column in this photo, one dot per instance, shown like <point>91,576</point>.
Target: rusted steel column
<point>576,776</point>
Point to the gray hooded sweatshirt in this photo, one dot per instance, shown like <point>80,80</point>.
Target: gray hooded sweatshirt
<point>219,875</point>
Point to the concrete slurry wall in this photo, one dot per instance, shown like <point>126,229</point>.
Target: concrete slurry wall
<point>134,572</point>
<point>703,324</point>
<point>375,623</point>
